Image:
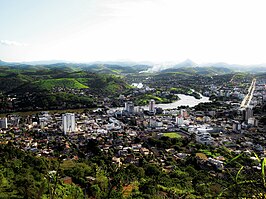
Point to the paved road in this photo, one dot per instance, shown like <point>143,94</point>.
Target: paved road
<point>246,101</point>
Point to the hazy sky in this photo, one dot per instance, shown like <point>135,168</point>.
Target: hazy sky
<point>232,31</point>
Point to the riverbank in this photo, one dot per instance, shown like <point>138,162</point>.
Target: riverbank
<point>184,100</point>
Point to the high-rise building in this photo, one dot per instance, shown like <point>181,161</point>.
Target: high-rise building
<point>68,121</point>
<point>264,95</point>
<point>179,120</point>
<point>236,126</point>
<point>126,104</point>
<point>129,107</point>
<point>3,123</point>
<point>152,105</point>
<point>247,113</point>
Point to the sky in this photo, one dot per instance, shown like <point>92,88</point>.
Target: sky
<point>231,31</point>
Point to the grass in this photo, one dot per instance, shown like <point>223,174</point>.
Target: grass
<point>62,82</point>
<point>172,135</point>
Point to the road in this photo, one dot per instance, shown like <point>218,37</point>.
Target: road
<point>246,101</point>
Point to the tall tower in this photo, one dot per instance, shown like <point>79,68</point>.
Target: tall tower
<point>247,113</point>
<point>68,121</point>
<point>152,105</point>
<point>3,123</point>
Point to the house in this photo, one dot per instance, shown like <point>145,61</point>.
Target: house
<point>67,180</point>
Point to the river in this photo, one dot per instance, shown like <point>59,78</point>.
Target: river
<point>185,100</point>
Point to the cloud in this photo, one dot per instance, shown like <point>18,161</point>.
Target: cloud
<point>12,43</point>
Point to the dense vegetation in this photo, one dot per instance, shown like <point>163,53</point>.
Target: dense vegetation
<point>12,80</point>
<point>144,99</point>
<point>58,87</point>
<point>22,175</point>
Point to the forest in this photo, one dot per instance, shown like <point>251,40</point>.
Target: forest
<point>24,175</point>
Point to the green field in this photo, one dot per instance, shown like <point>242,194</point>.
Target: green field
<point>62,82</point>
<point>172,135</point>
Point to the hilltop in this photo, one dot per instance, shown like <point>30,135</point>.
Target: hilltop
<point>55,86</point>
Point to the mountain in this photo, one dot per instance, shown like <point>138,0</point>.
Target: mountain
<point>199,70</point>
<point>121,63</point>
<point>71,67</point>
<point>45,62</point>
<point>254,68</point>
<point>186,63</point>
<point>125,66</point>
<point>3,63</point>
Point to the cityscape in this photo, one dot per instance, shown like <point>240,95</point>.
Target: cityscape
<point>220,117</point>
<point>99,100</point>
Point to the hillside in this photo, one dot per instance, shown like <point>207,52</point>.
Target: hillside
<point>58,87</point>
<point>70,83</point>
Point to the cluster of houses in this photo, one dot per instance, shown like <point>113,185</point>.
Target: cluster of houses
<point>124,132</point>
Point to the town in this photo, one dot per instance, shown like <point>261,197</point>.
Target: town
<point>148,99</point>
<point>233,119</point>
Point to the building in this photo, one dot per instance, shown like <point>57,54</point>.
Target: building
<point>247,113</point>
<point>3,123</point>
<point>236,126</point>
<point>183,113</point>
<point>68,121</point>
<point>129,107</point>
<point>179,120</point>
<point>204,138</point>
<point>252,121</point>
<point>152,106</point>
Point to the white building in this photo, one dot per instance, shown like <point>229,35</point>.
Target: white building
<point>152,105</point>
<point>204,138</point>
<point>252,121</point>
<point>68,121</point>
<point>179,121</point>
<point>3,123</point>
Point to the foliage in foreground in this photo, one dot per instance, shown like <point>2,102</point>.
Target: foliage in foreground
<point>23,175</point>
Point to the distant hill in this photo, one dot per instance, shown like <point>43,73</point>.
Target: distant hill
<point>199,70</point>
<point>22,78</point>
<point>206,68</point>
<point>56,86</point>
<point>186,63</point>
<point>126,67</point>
<point>97,68</point>
<point>46,62</point>
<point>256,68</point>
<point>114,69</point>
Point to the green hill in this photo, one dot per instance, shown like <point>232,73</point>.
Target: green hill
<point>56,87</point>
<point>70,83</point>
